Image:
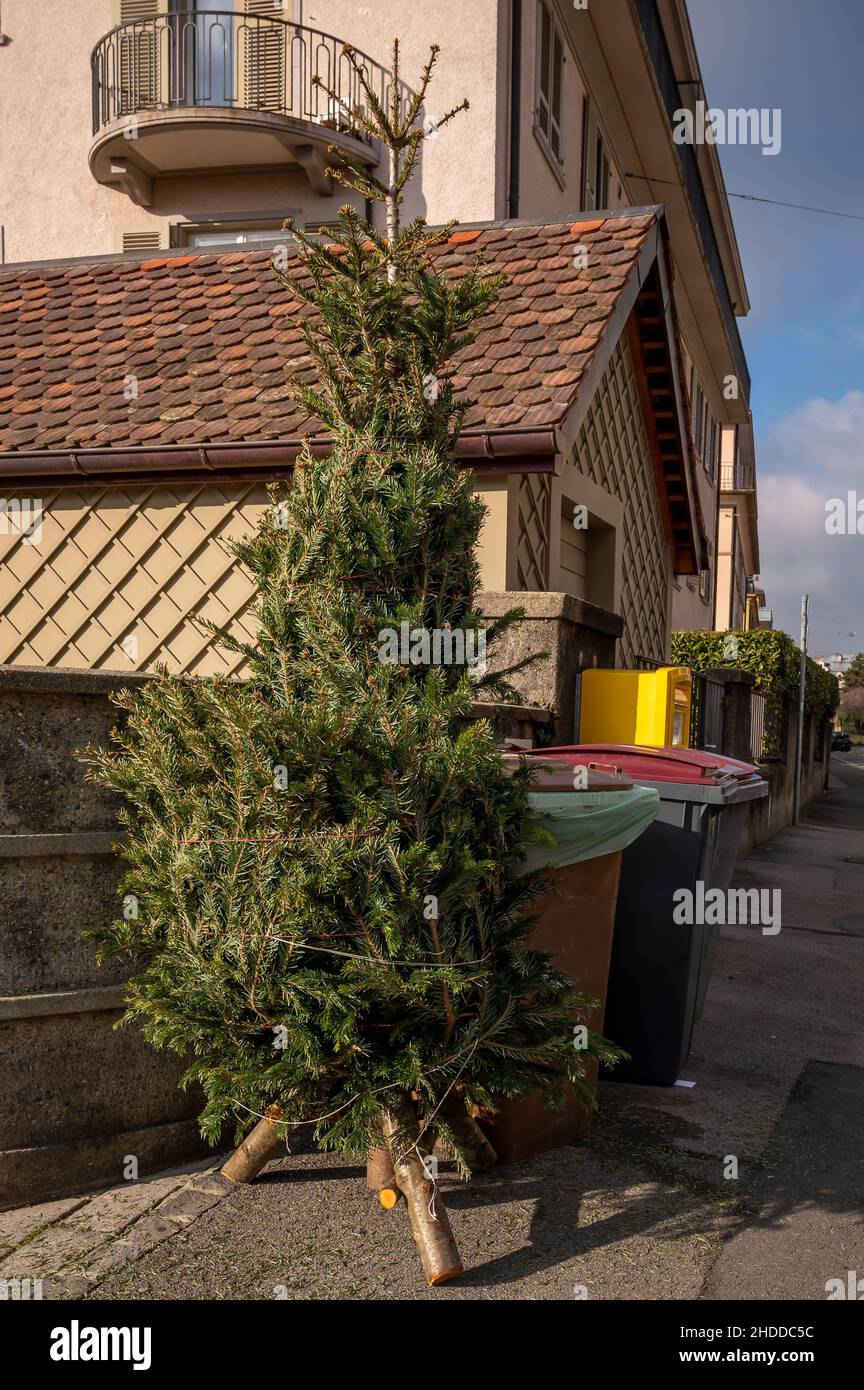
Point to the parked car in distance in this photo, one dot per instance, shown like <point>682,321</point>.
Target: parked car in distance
<point>841,743</point>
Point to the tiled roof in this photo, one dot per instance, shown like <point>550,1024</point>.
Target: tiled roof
<point>212,341</point>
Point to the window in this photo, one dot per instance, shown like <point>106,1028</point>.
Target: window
<point>236,236</point>
<point>201,43</point>
<point>601,175</point>
<point>712,448</point>
<point>596,168</point>
<point>261,230</point>
<point>550,85</point>
<point>705,586</point>
<point>697,424</point>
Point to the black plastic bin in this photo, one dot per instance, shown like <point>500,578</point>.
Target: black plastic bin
<point>660,969</point>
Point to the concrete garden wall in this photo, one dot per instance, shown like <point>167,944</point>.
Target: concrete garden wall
<point>575,635</point>
<point>77,1098</point>
<point>771,815</point>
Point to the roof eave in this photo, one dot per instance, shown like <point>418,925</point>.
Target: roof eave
<point>498,451</point>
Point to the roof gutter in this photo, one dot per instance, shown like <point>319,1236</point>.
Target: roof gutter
<point>516,451</point>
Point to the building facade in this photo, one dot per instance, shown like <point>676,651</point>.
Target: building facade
<point>152,132</point>
<point>740,601</point>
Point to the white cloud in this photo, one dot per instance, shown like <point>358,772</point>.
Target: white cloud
<point>826,435</point>
<point>814,454</point>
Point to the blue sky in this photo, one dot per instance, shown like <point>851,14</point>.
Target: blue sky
<point>804,336</point>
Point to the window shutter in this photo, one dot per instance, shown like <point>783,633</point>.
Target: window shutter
<point>550,94</point>
<point>137,57</point>
<point>557,94</point>
<point>264,52</point>
<point>138,9</point>
<point>545,93</point>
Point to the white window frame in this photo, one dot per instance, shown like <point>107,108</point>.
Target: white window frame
<point>231,231</point>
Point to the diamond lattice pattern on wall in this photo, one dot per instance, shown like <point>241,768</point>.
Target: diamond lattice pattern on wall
<point>532,548</point>
<point>122,577</point>
<point>612,449</point>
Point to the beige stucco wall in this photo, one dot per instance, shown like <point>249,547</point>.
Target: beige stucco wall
<point>51,206</point>
<point>731,572</point>
<point>725,543</point>
<point>459,165</point>
<point>545,189</point>
<point>499,496</point>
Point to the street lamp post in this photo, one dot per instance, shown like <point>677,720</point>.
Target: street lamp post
<point>799,750</point>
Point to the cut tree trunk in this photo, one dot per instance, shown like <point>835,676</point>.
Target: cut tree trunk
<point>381,1177</point>
<point>479,1153</point>
<point>260,1145</point>
<point>430,1225</point>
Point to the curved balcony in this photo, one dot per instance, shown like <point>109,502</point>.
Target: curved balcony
<point>207,91</point>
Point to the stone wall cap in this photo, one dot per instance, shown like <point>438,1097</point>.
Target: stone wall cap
<point>67,680</point>
<point>729,675</point>
<point>63,843</point>
<point>496,709</point>
<point>545,606</point>
<point>101,999</point>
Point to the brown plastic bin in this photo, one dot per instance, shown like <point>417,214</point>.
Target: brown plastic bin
<point>585,894</point>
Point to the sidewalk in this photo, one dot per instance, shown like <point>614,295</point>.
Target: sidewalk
<point>643,1211</point>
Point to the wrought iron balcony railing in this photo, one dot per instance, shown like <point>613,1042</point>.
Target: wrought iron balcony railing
<point>213,59</point>
<point>737,477</point>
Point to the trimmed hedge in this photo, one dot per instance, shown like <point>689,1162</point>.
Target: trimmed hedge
<point>775,662</point>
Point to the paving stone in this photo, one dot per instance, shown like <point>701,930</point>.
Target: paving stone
<point>22,1222</point>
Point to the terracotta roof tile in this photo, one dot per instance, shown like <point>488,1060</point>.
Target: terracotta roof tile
<point>215,340</point>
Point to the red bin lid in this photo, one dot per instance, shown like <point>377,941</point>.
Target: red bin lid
<point>684,765</point>
<point>556,773</point>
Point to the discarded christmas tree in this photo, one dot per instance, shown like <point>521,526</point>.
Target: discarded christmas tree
<point>321,859</point>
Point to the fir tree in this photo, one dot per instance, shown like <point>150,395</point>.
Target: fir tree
<point>322,889</point>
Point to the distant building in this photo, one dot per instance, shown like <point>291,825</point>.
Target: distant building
<point>838,664</point>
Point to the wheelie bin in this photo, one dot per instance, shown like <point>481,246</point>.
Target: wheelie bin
<point>592,827</point>
<point>660,968</point>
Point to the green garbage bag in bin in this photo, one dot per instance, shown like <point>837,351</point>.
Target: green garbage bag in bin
<point>588,824</point>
